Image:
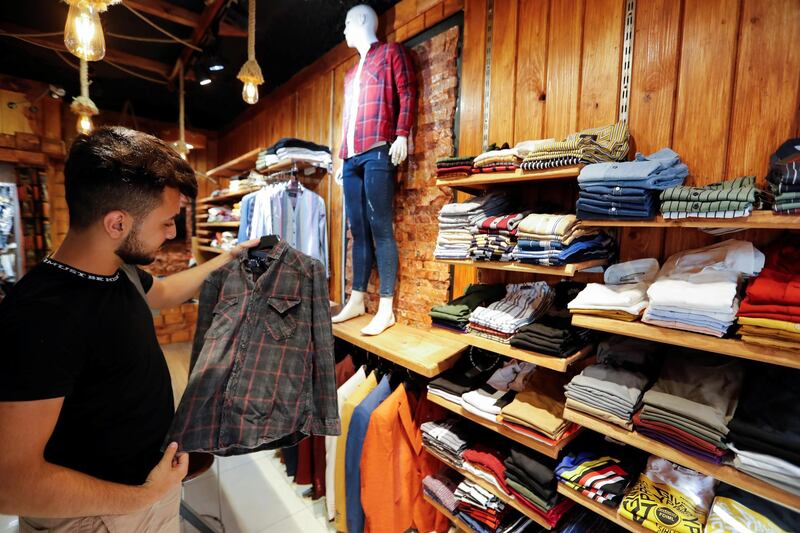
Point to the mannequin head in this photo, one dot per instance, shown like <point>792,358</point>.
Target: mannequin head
<point>360,27</point>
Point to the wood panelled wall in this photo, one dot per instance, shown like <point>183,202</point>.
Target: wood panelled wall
<point>716,80</point>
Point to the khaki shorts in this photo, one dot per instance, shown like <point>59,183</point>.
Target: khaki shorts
<point>160,518</point>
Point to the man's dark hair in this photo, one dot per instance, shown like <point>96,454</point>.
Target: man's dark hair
<point>116,168</point>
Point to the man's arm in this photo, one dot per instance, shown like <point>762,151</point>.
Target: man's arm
<point>176,289</point>
<point>30,486</point>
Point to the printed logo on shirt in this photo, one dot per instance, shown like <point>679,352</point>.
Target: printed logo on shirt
<point>84,275</point>
<point>667,516</point>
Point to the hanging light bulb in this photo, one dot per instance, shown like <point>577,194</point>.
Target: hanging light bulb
<point>250,73</point>
<point>250,92</point>
<point>83,33</point>
<point>85,125</point>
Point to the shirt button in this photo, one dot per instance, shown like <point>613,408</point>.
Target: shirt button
<point>617,188</point>
<point>614,166</point>
<point>696,205</point>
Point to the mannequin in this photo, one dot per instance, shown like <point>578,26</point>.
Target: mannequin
<point>380,94</point>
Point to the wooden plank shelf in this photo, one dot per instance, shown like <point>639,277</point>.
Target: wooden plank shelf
<point>227,197</point>
<point>727,474</point>
<point>676,337</point>
<point>757,220</point>
<point>243,163</point>
<point>460,524</point>
<point>420,350</point>
<point>509,500</point>
<point>483,181</point>
<point>609,513</point>
<point>512,266</point>
<point>289,164</point>
<point>211,249</point>
<point>545,361</point>
<point>533,444</point>
<point>234,224</point>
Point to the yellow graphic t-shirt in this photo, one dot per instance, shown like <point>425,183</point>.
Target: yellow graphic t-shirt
<point>730,516</point>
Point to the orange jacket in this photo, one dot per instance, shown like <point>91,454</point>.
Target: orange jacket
<point>393,465</point>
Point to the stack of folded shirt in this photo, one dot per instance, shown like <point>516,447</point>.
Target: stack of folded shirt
<point>770,313</point>
<point>290,149</point>
<point>455,314</point>
<point>537,411</point>
<point>486,401</point>
<point>454,167</point>
<point>624,295</point>
<point>697,290</point>
<point>479,507</point>
<point>497,159</point>
<point>442,487</point>
<point>735,510</point>
<point>486,463</point>
<point>765,431</point>
<point>448,437</point>
<point>457,220</point>
<point>523,303</point>
<point>558,239</point>
<point>553,333</point>
<point>784,178</point>
<point>726,199</point>
<point>691,404</point>
<point>607,392</point>
<point>668,497</point>
<point>467,374</point>
<point>608,143</point>
<point>628,190</point>
<point>495,237</point>
<point>598,477</point>
<point>532,481</point>
<point>599,246</point>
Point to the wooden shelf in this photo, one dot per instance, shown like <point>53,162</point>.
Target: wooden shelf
<point>218,224</point>
<point>460,524</point>
<point>513,266</point>
<point>227,197</point>
<point>210,249</point>
<point>509,500</point>
<point>237,165</point>
<point>545,361</point>
<point>482,181</point>
<point>727,474</point>
<point>676,337</point>
<point>757,220</point>
<point>420,350</point>
<point>609,513</point>
<point>289,164</point>
<point>533,444</point>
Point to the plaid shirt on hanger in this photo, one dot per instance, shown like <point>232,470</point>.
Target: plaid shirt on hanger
<point>387,98</point>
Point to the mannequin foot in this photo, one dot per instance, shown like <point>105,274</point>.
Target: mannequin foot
<point>378,324</point>
<point>352,309</point>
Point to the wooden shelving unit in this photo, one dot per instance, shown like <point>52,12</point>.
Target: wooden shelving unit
<point>545,361</point>
<point>509,500</point>
<point>533,444</point>
<point>237,165</point>
<point>422,351</point>
<point>483,181</point>
<point>513,266</point>
<point>460,524</point>
<point>757,220</point>
<point>676,337</point>
<point>727,474</point>
<point>609,513</point>
<point>218,224</point>
<point>227,197</point>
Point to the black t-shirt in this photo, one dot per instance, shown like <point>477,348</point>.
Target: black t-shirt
<point>89,339</point>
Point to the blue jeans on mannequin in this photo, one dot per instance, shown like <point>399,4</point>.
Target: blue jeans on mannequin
<point>368,180</point>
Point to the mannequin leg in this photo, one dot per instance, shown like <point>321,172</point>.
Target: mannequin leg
<point>356,207</point>
<point>379,189</point>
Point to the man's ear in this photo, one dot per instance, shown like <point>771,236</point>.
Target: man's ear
<point>117,224</point>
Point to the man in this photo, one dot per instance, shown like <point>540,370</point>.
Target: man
<point>85,393</point>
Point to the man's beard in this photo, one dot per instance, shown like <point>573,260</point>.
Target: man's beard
<point>131,251</point>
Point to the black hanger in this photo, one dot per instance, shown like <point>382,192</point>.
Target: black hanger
<point>267,242</point>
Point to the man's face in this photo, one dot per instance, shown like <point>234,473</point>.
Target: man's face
<point>148,234</point>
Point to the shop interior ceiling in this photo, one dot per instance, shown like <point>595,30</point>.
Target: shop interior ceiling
<point>290,35</point>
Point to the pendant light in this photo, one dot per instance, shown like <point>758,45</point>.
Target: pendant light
<point>250,73</point>
<point>83,105</point>
<point>83,33</point>
<point>181,147</point>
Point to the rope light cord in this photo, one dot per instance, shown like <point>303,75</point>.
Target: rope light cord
<point>162,30</point>
<point>110,34</point>
<point>134,73</point>
<point>181,114</point>
<point>251,30</point>
<point>84,78</point>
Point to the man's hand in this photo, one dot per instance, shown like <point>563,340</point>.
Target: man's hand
<point>236,250</point>
<point>167,475</point>
<point>399,150</point>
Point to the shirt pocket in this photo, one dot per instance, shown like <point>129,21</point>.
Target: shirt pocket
<point>224,320</point>
<point>280,319</point>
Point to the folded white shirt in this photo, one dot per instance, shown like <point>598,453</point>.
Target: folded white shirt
<point>610,296</point>
<point>483,399</point>
<point>716,296</point>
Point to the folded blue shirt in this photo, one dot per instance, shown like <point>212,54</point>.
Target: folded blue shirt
<point>648,172</point>
<point>584,211</point>
<point>645,204</point>
<point>645,196</point>
<point>598,188</point>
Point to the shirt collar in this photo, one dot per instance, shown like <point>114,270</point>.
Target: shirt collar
<point>275,253</point>
<point>79,273</point>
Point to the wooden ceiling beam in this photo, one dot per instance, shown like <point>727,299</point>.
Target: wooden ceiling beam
<point>207,17</point>
<point>166,11</point>
<point>115,56</point>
